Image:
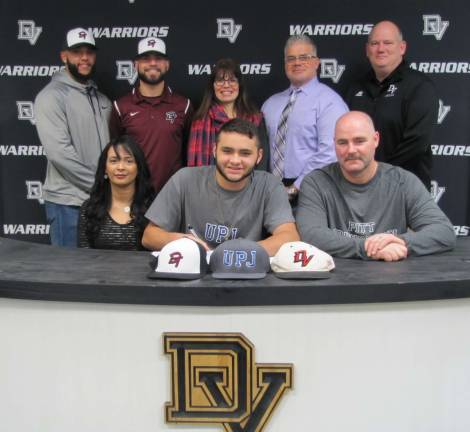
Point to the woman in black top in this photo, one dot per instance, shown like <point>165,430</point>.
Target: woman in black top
<point>113,216</point>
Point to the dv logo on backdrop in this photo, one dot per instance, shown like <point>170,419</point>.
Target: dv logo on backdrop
<point>436,191</point>
<point>27,30</point>
<point>126,71</point>
<point>329,68</point>
<point>227,29</point>
<point>34,190</point>
<point>443,111</point>
<point>26,111</point>
<point>215,380</point>
<point>434,26</point>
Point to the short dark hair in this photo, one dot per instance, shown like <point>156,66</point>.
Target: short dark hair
<point>240,126</point>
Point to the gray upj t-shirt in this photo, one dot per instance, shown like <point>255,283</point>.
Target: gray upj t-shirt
<point>193,197</point>
<point>337,216</point>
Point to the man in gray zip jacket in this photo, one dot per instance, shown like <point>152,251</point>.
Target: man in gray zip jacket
<point>72,121</point>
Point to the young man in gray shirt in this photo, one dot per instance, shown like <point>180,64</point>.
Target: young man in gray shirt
<point>230,200</point>
<point>360,208</point>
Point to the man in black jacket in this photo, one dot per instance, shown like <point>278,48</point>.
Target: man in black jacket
<point>402,102</point>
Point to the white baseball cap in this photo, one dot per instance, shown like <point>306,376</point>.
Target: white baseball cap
<point>300,260</point>
<point>180,259</point>
<point>151,45</point>
<point>78,37</point>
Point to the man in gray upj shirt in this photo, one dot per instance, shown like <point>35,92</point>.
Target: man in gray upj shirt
<point>360,208</point>
<point>72,119</point>
<point>230,200</point>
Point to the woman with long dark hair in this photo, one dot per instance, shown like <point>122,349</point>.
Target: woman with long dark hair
<point>225,98</point>
<point>113,216</point>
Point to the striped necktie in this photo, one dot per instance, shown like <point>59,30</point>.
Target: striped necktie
<point>281,137</point>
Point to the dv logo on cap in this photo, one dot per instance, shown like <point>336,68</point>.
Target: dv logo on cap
<point>302,257</point>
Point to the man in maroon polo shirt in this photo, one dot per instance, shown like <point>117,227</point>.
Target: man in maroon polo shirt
<point>156,117</point>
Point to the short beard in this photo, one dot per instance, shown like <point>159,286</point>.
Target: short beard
<point>220,171</point>
<point>73,69</point>
<point>152,81</point>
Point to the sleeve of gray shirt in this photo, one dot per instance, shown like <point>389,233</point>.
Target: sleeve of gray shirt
<point>430,230</point>
<point>51,123</point>
<point>167,208</point>
<point>312,223</point>
<point>277,209</point>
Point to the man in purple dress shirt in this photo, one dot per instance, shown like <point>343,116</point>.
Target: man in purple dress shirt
<point>301,119</point>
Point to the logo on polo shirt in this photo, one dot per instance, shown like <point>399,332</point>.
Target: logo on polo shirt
<point>27,30</point>
<point>329,68</point>
<point>126,71</point>
<point>392,88</point>
<point>34,190</point>
<point>302,257</point>
<point>436,191</point>
<point>443,111</point>
<point>434,26</point>
<point>170,116</point>
<point>227,29</point>
<point>215,380</point>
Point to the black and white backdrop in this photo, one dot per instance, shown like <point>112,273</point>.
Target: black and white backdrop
<point>199,33</point>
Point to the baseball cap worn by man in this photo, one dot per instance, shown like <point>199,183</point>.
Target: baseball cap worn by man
<point>182,259</point>
<point>300,260</point>
<point>78,37</point>
<point>239,259</point>
<point>151,45</point>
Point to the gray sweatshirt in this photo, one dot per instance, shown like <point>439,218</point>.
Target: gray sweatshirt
<point>72,122</point>
<point>337,216</point>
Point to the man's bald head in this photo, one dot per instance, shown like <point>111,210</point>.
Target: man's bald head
<point>388,26</point>
<point>357,118</point>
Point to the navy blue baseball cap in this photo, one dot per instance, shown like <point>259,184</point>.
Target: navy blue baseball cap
<point>239,259</point>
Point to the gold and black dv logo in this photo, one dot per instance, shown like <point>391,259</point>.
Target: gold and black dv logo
<point>216,381</point>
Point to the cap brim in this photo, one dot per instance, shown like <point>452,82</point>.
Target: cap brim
<point>150,52</point>
<point>78,45</point>
<point>179,276</point>
<point>303,275</point>
<point>238,275</point>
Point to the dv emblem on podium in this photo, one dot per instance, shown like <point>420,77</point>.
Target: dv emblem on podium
<point>216,381</point>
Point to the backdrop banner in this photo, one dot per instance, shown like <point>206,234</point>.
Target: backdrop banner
<point>197,35</point>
